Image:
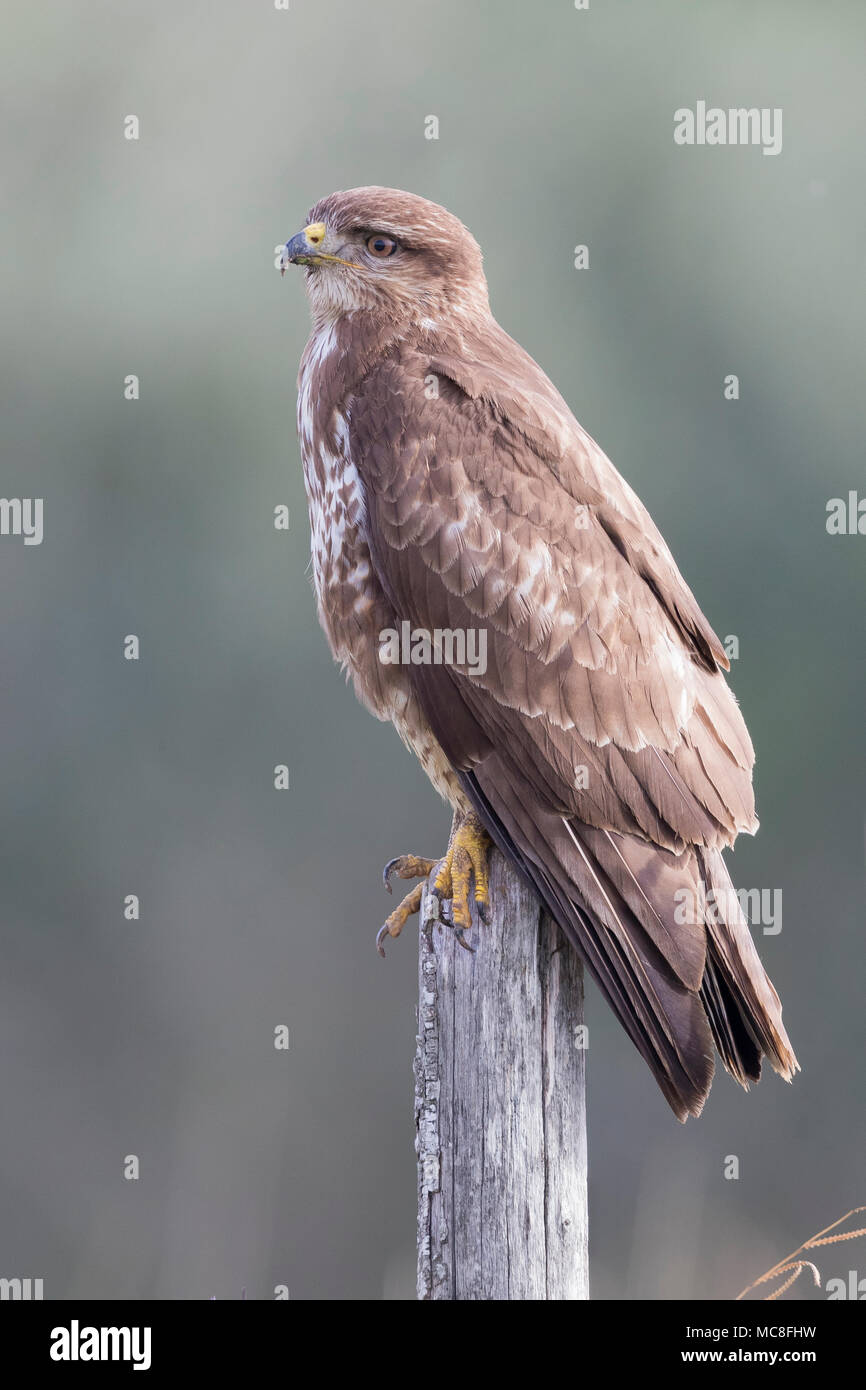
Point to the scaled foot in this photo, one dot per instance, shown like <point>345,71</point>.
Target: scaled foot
<point>451,880</point>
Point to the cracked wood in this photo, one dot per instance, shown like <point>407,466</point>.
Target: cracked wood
<point>500,1106</point>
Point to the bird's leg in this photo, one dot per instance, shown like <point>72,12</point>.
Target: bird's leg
<point>451,879</point>
<point>465,860</point>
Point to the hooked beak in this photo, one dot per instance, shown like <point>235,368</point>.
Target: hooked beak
<point>297,251</point>
<point>303,249</point>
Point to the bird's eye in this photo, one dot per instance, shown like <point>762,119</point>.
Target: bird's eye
<point>381,246</point>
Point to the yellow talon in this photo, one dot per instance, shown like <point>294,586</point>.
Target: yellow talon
<point>397,920</point>
<point>451,880</point>
<point>407,866</point>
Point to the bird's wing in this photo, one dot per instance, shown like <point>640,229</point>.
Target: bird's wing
<point>487,514</point>
<point>599,741</point>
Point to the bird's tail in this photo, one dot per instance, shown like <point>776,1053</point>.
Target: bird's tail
<point>743,1008</point>
<point>665,938</point>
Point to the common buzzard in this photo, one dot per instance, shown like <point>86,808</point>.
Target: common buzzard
<point>457,506</point>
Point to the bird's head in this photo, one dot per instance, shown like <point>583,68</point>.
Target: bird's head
<point>382,249</point>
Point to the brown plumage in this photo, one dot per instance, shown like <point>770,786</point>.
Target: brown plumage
<point>450,487</point>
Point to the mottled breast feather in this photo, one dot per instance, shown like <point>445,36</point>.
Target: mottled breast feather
<point>352,606</point>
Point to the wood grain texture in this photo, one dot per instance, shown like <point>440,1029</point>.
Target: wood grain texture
<point>500,1106</point>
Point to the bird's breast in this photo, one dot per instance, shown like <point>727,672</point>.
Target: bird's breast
<point>353,608</point>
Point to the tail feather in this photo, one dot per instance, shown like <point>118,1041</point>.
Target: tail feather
<point>734,1043</point>
<point>681,982</point>
<point>755,1005</point>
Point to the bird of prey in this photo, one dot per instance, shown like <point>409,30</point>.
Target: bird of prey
<point>453,495</point>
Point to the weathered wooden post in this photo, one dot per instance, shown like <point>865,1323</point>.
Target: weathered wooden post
<point>500,1106</point>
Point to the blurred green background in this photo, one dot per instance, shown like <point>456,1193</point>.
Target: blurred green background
<point>258,908</point>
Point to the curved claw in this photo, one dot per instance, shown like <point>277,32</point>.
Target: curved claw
<point>461,941</point>
<point>406,866</point>
<point>397,920</point>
